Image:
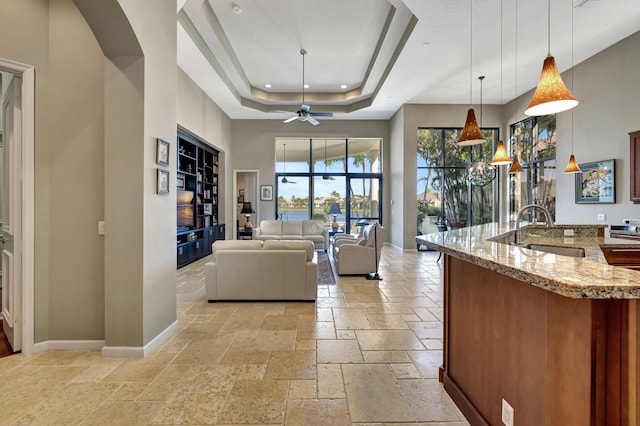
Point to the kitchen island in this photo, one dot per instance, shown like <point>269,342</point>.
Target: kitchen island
<point>554,336</point>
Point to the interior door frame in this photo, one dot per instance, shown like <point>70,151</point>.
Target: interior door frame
<point>27,73</point>
<point>256,197</point>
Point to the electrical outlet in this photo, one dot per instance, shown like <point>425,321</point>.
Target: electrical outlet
<point>568,232</point>
<point>507,413</point>
<point>101,227</point>
<point>602,217</point>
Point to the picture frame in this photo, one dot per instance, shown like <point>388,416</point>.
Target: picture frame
<point>266,192</point>
<point>180,183</point>
<point>596,183</point>
<point>240,199</point>
<point>241,192</point>
<point>163,181</point>
<point>162,152</point>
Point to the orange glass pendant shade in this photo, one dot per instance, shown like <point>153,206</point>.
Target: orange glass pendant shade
<point>515,166</point>
<point>501,156</point>
<point>551,95</point>
<point>471,134</point>
<point>572,166</point>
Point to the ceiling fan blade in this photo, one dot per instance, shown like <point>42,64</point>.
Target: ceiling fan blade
<point>312,120</point>
<point>305,108</point>
<point>290,119</point>
<point>322,114</point>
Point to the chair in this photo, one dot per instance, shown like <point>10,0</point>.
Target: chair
<point>359,257</point>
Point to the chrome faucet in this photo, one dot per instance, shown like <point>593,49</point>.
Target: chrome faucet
<point>547,215</point>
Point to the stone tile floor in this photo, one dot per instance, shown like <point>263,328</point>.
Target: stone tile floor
<point>366,353</point>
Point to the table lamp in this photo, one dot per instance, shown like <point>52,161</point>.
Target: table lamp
<point>247,209</point>
<point>334,209</point>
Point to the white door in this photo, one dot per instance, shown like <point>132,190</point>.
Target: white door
<point>11,212</point>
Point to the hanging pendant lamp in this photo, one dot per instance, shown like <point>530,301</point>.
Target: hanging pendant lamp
<point>572,166</point>
<point>471,134</point>
<point>515,166</point>
<point>551,95</point>
<point>501,156</point>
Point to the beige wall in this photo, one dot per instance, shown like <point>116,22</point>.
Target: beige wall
<point>608,87</point>
<point>254,147</point>
<point>200,116</point>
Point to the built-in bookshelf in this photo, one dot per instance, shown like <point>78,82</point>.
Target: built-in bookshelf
<point>198,224</point>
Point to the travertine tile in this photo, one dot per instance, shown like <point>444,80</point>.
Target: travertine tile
<point>365,354</point>
<point>318,412</point>
<point>339,352</point>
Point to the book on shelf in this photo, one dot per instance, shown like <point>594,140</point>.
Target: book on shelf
<point>207,221</point>
<point>207,194</point>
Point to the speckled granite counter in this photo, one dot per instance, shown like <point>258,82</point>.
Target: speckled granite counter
<point>589,277</point>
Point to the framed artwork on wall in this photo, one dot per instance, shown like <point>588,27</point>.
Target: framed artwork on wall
<point>596,183</point>
<point>162,152</point>
<point>163,181</point>
<point>266,192</point>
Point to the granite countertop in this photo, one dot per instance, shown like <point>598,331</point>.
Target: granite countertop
<point>591,277</point>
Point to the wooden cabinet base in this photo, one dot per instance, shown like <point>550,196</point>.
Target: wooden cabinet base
<point>555,360</point>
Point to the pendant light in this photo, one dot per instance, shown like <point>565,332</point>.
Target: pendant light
<point>572,166</point>
<point>471,134</point>
<point>501,156</point>
<point>551,95</point>
<point>515,165</point>
<point>481,173</point>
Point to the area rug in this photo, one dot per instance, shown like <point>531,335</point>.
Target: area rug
<point>325,273</point>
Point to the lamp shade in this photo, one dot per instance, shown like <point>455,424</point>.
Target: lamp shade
<point>501,156</point>
<point>247,208</point>
<point>551,94</point>
<point>471,134</point>
<point>572,166</point>
<point>335,208</point>
<point>515,166</point>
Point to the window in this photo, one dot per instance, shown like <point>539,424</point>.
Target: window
<point>313,174</point>
<point>534,140</point>
<point>443,190</point>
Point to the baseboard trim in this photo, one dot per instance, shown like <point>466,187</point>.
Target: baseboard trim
<point>467,408</point>
<point>140,351</point>
<point>68,345</point>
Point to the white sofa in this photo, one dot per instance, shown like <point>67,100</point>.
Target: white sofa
<point>358,257</point>
<point>311,230</point>
<point>253,270</point>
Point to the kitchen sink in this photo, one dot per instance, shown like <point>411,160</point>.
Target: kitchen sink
<point>559,250</point>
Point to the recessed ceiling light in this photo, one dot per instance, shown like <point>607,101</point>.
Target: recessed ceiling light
<point>268,86</point>
<point>306,86</point>
<point>236,9</point>
<point>343,86</point>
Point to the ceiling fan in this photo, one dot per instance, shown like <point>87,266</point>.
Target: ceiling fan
<point>304,113</point>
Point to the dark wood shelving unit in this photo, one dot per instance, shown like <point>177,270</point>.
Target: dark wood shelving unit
<point>197,204</point>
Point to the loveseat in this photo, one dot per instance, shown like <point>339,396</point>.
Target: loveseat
<point>256,270</point>
<point>311,230</point>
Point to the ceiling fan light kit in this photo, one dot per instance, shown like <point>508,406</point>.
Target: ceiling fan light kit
<point>304,113</point>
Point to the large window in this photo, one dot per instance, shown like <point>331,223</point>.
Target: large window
<point>443,190</point>
<point>534,140</point>
<point>313,174</point>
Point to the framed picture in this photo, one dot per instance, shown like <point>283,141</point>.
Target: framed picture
<point>266,192</point>
<point>163,181</point>
<point>596,182</point>
<point>240,199</point>
<point>180,181</point>
<point>241,192</point>
<point>163,152</point>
